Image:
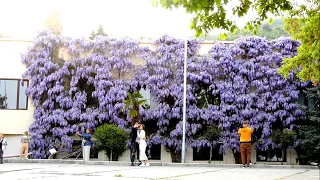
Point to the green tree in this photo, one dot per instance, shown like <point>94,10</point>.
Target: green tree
<point>211,134</point>
<point>132,103</point>
<point>111,139</point>
<point>267,30</point>
<point>284,138</point>
<point>304,25</point>
<point>100,31</point>
<point>210,14</point>
<point>309,130</point>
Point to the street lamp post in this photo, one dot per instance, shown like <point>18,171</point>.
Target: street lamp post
<point>183,148</point>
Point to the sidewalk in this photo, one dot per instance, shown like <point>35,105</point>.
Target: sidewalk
<point>53,171</point>
<point>155,163</point>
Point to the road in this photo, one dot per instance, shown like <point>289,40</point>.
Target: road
<point>22,171</point>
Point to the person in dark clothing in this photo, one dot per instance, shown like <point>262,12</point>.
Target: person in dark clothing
<point>134,147</point>
<point>3,144</point>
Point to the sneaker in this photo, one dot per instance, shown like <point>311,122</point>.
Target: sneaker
<point>143,164</point>
<point>132,164</point>
<point>26,158</point>
<point>147,164</point>
<point>243,166</point>
<point>248,165</point>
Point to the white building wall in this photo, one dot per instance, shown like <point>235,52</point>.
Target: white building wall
<point>14,122</point>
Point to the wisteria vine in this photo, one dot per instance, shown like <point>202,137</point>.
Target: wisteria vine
<point>77,83</point>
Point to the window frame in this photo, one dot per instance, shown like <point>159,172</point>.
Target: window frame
<point>18,92</point>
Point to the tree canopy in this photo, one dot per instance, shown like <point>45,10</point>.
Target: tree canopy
<point>267,30</point>
<point>304,25</point>
<point>100,31</point>
<point>210,14</point>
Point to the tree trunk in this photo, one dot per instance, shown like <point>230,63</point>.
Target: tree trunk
<point>210,153</point>
<point>135,119</point>
<point>111,155</point>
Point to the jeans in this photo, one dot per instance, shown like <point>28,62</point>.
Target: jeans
<point>134,151</point>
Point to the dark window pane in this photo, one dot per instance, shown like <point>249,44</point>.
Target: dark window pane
<point>154,152</point>
<point>22,95</point>
<point>203,154</point>
<point>8,94</point>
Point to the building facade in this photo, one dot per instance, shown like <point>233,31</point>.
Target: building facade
<point>16,112</point>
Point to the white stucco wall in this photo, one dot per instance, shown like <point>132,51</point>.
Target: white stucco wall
<point>14,122</point>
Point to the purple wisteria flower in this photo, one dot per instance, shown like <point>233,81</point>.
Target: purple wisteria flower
<point>224,87</point>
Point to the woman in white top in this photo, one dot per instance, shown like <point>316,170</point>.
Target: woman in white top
<point>143,146</point>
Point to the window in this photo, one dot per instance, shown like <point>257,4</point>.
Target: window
<point>154,153</point>
<point>203,154</point>
<point>272,155</point>
<point>13,94</point>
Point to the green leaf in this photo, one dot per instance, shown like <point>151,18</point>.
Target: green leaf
<point>223,36</point>
<point>271,20</point>
<point>175,1</point>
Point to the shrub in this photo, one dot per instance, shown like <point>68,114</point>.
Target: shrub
<point>112,139</point>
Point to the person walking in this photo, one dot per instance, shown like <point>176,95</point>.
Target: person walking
<point>24,145</point>
<point>3,145</point>
<point>86,144</point>
<point>245,143</point>
<point>134,148</point>
<point>142,146</point>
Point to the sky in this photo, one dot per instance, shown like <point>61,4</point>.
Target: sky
<point>133,18</point>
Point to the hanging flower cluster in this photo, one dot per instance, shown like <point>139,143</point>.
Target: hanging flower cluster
<point>84,91</point>
<point>85,86</point>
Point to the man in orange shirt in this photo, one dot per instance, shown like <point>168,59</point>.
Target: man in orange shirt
<point>245,143</point>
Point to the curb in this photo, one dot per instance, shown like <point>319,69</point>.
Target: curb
<point>123,163</point>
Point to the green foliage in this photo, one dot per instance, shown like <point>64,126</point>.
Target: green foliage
<point>212,133</point>
<point>112,139</point>
<point>309,132</point>
<point>100,31</point>
<point>267,30</point>
<point>205,97</point>
<point>284,138</point>
<point>210,14</point>
<point>304,25</point>
<point>132,103</point>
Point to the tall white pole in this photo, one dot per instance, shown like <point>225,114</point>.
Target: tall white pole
<point>183,150</point>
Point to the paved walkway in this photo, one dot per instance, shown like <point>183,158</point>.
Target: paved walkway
<point>21,171</point>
